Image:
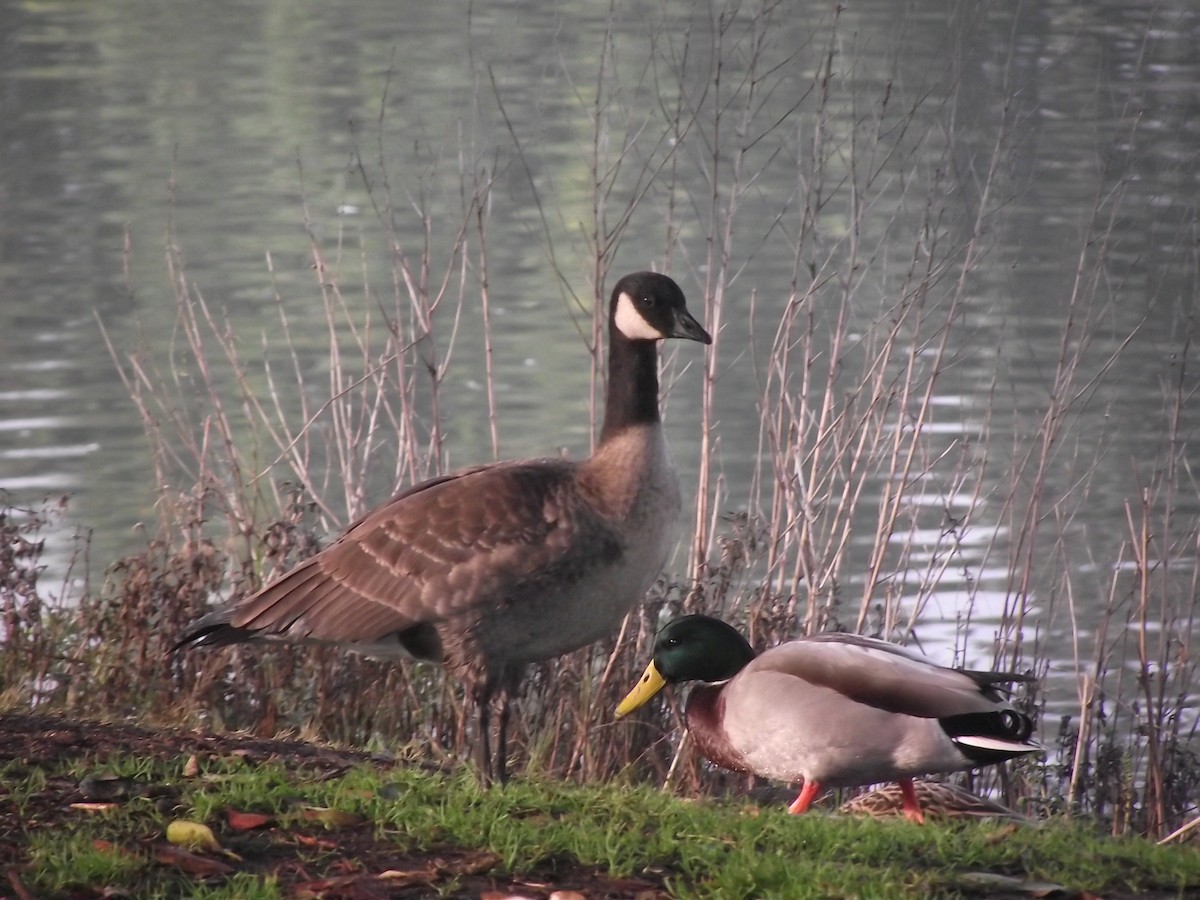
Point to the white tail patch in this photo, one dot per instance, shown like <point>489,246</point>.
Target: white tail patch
<point>386,650</point>
<point>630,322</point>
<point>998,744</point>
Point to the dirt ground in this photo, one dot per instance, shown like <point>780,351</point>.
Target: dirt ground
<point>349,863</point>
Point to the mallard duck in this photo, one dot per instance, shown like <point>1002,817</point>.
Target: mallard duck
<point>936,798</point>
<point>498,566</point>
<point>831,710</point>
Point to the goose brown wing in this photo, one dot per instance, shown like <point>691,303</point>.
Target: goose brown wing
<point>486,535</point>
<point>878,674</point>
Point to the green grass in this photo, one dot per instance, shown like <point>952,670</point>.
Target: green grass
<point>698,848</point>
<point>61,860</point>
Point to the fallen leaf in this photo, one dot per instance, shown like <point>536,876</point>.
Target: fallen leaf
<point>307,840</point>
<point>246,821</point>
<point>398,878</point>
<point>191,768</point>
<point>18,888</point>
<point>193,836</point>
<point>93,807</point>
<point>1042,890</point>
<point>474,863</point>
<point>192,863</point>
<point>468,864</point>
<point>330,818</point>
<point>343,886</point>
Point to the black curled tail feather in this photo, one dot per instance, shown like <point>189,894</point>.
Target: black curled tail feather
<point>1005,724</point>
<point>991,737</point>
<point>1022,725</point>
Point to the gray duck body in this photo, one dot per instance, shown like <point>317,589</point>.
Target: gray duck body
<point>831,710</point>
<point>844,710</point>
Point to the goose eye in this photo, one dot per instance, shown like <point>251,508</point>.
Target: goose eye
<point>648,302</point>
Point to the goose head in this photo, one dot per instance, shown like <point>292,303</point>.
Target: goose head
<point>647,306</point>
<point>691,648</point>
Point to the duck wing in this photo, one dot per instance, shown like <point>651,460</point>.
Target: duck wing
<point>882,675</point>
<point>483,536</point>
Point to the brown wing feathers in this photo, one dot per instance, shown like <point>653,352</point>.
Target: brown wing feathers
<point>424,556</point>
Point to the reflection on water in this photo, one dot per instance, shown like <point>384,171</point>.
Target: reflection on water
<point>126,126</point>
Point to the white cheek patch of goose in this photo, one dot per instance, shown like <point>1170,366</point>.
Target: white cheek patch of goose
<point>631,324</point>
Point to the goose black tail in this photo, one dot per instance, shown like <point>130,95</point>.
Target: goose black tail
<point>212,630</point>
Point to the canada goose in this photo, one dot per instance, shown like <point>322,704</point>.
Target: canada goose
<point>831,710</point>
<point>501,565</point>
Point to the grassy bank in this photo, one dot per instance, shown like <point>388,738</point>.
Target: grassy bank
<point>86,810</point>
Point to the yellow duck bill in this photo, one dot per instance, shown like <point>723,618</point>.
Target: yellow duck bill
<point>648,685</point>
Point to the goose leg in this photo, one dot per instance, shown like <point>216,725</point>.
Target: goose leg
<point>483,741</point>
<point>502,740</point>
<point>807,795</point>
<point>912,806</point>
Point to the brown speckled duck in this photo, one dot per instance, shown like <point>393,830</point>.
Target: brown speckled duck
<point>938,799</point>
<point>495,567</point>
<point>831,710</point>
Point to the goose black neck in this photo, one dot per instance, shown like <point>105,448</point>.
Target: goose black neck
<point>632,397</point>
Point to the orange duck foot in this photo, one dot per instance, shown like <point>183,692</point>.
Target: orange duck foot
<point>807,795</point>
